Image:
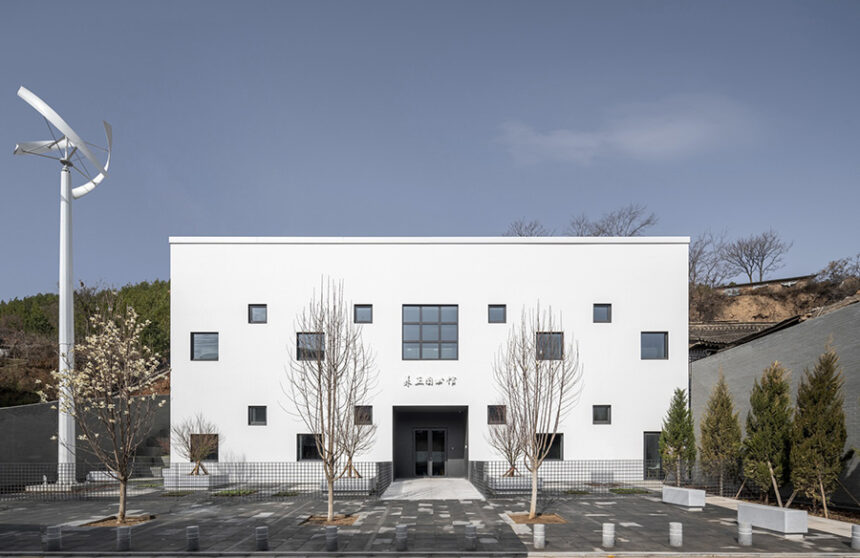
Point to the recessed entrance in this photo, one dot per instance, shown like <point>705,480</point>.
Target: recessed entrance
<point>430,441</point>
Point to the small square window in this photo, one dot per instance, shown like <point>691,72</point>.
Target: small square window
<point>363,313</point>
<point>550,345</point>
<point>497,313</point>
<point>556,449</point>
<point>207,443</point>
<point>655,345</point>
<point>602,313</point>
<point>601,414</point>
<point>204,346</point>
<point>257,313</point>
<point>257,415</point>
<point>363,415</point>
<point>497,414</point>
<point>310,346</point>
<point>307,448</point>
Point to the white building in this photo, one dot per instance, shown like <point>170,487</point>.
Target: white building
<point>234,303</point>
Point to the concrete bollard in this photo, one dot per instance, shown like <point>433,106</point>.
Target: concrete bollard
<point>262,535</point>
<point>54,540</point>
<point>676,537</point>
<point>608,535</point>
<point>855,537</point>
<point>745,534</point>
<point>539,536</point>
<point>471,537</point>
<point>123,538</point>
<point>192,538</point>
<point>331,538</point>
<point>400,539</point>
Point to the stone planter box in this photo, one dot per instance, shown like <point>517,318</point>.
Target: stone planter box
<point>781,520</point>
<point>687,497</point>
<point>176,480</point>
<point>346,485</point>
<point>512,485</point>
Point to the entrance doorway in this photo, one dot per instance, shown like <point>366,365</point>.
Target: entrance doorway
<point>430,454</point>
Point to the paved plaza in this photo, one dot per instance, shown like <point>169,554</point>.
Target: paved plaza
<point>435,526</point>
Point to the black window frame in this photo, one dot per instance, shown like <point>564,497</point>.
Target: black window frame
<point>421,342</point>
<point>300,443</point>
<point>497,414</point>
<point>355,309</point>
<point>251,308</point>
<point>217,345</point>
<point>253,420</point>
<point>309,354</point>
<point>362,415</point>
<point>665,335</point>
<point>607,420</point>
<point>491,307</point>
<point>213,455</point>
<point>608,307</point>
<point>540,349</point>
<point>557,446</point>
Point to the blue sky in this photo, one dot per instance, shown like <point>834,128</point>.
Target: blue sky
<point>428,118</point>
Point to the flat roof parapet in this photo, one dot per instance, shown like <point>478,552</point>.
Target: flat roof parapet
<point>454,240</point>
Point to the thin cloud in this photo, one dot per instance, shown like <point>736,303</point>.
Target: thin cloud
<point>667,130</point>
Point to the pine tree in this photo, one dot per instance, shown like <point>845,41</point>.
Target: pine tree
<point>678,438</point>
<point>721,434</point>
<point>766,448</point>
<point>819,430</point>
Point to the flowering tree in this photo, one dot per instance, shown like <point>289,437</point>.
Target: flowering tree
<point>109,393</point>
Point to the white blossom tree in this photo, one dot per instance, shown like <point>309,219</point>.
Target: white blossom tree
<point>110,395</point>
<point>539,377</point>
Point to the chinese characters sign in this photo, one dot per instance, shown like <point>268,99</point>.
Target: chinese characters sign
<point>429,381</point>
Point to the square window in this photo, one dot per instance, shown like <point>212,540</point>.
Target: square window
<point>550,345</point>
<point>430,332</point>
<point>257,415</point>
<point>602,313</point>
<point>556,449</point>
<point>363,415</point>
<point>204,346</point>
<point>363,313</point>
<point>601,414</point>
<point>205,443</point>
<point>257,313</point>
<point>655,345</point>
<point>310,346</point>
<point>306,448</point>
<point>497,414</point>
<point>497,313</point>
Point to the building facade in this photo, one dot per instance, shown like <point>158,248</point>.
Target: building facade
<point>436,312</point>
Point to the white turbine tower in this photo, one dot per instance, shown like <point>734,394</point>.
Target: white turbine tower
<point>65,147</point>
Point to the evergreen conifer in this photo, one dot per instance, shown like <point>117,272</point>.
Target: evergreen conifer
<point>721,434</point>
<point>678,438</point>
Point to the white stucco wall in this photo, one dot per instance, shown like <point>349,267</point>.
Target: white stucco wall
<point>214,279</point>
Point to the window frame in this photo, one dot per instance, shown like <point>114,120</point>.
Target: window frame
<point>251,308</point>
<point>608,306</point>
<point>421,324</point>
<point>595,420</point>
<point>299,447</point>
<point>252,422</point>
<point>357,413</point>
<point>559,438</point>
<point>539,353</point>
<point>356,307</point>
<point>665,335</point>
<point>301,356</point>
<point>491,307</point>
<point>497,414</point>
<point>217,346</point>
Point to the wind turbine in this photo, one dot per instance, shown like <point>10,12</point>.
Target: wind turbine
<point>66,147</point>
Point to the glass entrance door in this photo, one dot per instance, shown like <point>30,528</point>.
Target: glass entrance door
<point>652,459</point>
<point>430,455</point>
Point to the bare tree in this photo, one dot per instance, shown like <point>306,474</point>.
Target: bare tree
<point>755,255</point>
<point>358,432</point>
<point>326,375</point>
<point>505,438</point>
<point>521,227</point>
<point>707,266</point>
<point>630,220</point>
<point>539,378</point>
<point>109,397</point>
<point>195,438</point>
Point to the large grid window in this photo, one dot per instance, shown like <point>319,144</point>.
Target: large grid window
<point>655,345</point>
<point>310,346</point>
<point>306,448</point>
<point>257,415</point>
<point>550,345</point>
<point>204,346</point>
<point>430,332</point>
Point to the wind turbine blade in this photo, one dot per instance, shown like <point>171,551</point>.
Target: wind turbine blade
<point>41,147</point>
<point>85,189</point>
<point>42,108</point>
